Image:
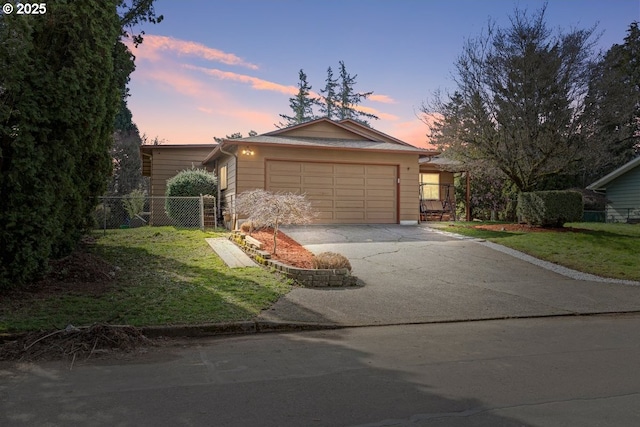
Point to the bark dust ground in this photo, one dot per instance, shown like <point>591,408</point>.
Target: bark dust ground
<point>288,251</point>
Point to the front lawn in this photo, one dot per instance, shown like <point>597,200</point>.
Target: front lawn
<point>608,250</point>
<point>163,276</point>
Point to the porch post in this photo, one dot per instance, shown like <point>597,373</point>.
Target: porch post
<point>468,194</point>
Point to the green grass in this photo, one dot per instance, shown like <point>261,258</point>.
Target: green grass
<point>607,250</point>
<point>166,277</point>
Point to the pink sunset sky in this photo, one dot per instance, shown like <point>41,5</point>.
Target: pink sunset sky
<point>212,68</point>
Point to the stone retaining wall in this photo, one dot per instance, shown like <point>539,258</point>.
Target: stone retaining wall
<point>311,278</point>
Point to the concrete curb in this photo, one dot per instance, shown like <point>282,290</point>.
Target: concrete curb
<point>263,326</point>
<point>232,328</point>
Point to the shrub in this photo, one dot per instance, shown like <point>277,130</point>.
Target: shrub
<point>330,261</point>
<point>188,183</point>
<point>249,227</point>
<point>274,209</point>
<point>550,208</point>
<point>133,203</point>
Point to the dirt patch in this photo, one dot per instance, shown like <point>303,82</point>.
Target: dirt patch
<point>80,273</point>
<point>289,251</point>
<point>524,228</point>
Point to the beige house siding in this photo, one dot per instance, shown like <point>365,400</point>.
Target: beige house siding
<point>252,172</point>
<point>227,195</point>
<point>166,162</point>
<point>323,130</point>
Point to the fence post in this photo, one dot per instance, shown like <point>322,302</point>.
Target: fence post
<point>201,212</point>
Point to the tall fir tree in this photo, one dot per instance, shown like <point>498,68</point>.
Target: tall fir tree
<point>302,104</point>
<point>612,114</point>
<point>348,99</point>
<point>329,107</point>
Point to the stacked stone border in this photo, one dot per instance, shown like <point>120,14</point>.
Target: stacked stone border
<point>310,278</point>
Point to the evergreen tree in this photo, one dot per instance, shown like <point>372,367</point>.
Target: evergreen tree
<point>328,106</point>
<point>520,93</point>
<point>302,104</point>
<point>235,135</point>
<point>61,80</point>
<point>612,119</point>
<point>348,99</point>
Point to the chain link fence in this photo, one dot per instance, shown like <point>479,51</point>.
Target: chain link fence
<point>621,215</point>
<point>628,215</point>
<point>131,212</point>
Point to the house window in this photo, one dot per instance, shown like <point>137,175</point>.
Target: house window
<point>222,177</point>
<point>430,186</point>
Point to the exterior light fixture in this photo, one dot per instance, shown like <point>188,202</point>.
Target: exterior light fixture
<point>247,152</point>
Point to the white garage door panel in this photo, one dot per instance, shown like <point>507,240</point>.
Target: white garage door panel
<point>340,193</point>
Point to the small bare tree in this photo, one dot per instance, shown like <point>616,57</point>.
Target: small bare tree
<point>274,209</point>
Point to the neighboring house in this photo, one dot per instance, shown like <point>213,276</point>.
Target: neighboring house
<point>622,190</point>
<point>352,174</point>
<point>161,162</point>
<point>437,191</point>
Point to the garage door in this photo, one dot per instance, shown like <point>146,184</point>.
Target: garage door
<point>340,193</point>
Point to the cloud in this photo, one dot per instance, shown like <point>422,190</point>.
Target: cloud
<point>382,98</point>
<point>381,115</point>
<point>206,110</point>
<point>168,78</point>
<point>255,82</point>
<point>414,132</point>
<point>154,47</point>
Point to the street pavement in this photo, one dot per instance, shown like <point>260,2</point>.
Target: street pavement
<point>566,371</point>
<point>417,274</point>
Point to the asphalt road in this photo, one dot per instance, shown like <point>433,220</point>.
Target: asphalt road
<point>566,371</point>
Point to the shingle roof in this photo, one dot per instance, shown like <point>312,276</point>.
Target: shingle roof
<point>326,143</point>
<point>602,182</point>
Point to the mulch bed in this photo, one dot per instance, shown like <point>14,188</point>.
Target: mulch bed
<point>289,251</point>
<point>80,273</point>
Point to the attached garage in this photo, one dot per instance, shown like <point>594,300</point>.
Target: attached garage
<point>351,173</point>
<point>342,193</point>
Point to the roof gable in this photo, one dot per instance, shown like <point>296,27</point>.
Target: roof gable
<point>325,134</point>
<point>321,128</point>
<point>601,184</point>
<point>371,132</point>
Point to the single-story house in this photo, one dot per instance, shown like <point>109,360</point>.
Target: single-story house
<point>351,173</point>
<point>622,190</point>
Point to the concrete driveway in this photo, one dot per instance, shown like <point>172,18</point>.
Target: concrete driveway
<point>417,274</point>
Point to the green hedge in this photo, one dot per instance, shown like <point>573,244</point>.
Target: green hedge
<point>550,208</point>
<point>61,84</point>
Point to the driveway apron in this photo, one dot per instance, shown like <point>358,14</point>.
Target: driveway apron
<point>416,274</point>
